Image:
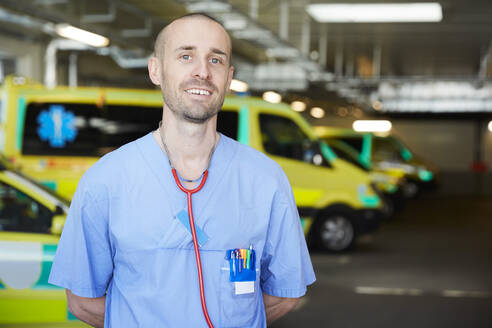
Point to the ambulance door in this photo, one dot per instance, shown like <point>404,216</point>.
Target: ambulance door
<point>300,157</point>
<point>26,254</point>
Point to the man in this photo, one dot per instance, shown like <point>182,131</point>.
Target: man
<point>126,257</point>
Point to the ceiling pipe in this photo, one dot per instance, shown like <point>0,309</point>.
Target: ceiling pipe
<point>50,79</point>
<point>144,32</point>
<point>72,70</point>
<point>99,18</point>
<point>376,60</point>
<point>26,21</point>
<point>484,63</point>
<point>124,59</point>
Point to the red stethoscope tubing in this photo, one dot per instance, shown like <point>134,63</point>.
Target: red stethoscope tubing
<point>188,193</point>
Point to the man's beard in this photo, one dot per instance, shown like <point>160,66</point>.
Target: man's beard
<point>194,112</point>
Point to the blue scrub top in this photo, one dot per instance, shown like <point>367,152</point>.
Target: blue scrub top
<point>122,236</point>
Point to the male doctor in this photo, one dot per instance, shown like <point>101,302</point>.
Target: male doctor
<point>126,255</point>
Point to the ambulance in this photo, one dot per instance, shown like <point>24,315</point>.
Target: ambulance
<point>55,135</point>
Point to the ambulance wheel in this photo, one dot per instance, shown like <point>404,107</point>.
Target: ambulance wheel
<point>411,189</point>
<point>388,208</point>
<point>334,231</point>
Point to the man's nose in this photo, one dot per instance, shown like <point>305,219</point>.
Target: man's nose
<point>202,70</point>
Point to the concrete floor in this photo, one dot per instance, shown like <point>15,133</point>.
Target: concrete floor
<point>429,267</point>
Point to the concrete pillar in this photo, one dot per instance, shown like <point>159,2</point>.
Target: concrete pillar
<point>323,45</point>
<point>305,36</point>
<point>284,20</point>
<point>72,70</point>
<point>376,61</point>
<point>253,9</point>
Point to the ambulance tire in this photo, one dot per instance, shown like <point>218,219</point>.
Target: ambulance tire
<point>388,208</point>
<point>411,189</point>
<point>334,231</point>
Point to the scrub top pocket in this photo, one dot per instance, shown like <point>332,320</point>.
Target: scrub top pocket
<point>236,310</point>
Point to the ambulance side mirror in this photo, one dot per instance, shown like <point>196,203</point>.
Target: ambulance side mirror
<point>58,221</point>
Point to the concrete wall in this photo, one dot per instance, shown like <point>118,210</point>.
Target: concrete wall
<point>448,144</point>
<point>488,147</point>
<point>30,56</point>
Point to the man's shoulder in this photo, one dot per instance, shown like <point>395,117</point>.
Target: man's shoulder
<point>112,166</point>
<point>248,157</point>
<point>257,165</point>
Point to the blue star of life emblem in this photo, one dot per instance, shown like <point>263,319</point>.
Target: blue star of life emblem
<point>57,126</point>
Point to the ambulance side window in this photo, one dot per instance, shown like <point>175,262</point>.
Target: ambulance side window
<point>282,137</point>
<point>355,142</point>
<point>21,213</point>
<point>385,149</point>
<point>80,129</point>
<point>227,122</point>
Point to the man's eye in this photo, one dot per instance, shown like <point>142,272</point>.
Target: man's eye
<point>215,61</point>
<point>186,57</point>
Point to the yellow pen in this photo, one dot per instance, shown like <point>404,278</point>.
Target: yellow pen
<point>243,254</point>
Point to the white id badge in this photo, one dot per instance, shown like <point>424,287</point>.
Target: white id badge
<point>244,287</point>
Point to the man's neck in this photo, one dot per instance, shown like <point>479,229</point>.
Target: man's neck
<point>188,145</point>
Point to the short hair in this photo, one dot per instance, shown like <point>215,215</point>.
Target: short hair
<point>160,40</point>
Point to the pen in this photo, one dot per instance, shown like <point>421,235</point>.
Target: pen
<point>244,255</point>
<point>238,255</point>
<point>250,252</point>
<point>248,256</point>
<point>233,256</point>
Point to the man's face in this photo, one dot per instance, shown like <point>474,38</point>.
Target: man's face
<point>195,72</point>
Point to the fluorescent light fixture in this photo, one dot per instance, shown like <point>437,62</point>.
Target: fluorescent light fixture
<point>298,106</point>
<point>490,126</point>
<point>209,7</point>
<point>372,126</point>
<point>238,86</point>
<point>234,23</point>
<point>317,112</point>
<point>375,12</point>
<point>77,34</point>
<point>272,96</point>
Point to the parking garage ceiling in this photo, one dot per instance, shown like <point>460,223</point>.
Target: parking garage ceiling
<point>279,39</point>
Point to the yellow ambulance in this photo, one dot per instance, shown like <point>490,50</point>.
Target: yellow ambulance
<point>54,135</point>
<point>383,153</point>
<point>31,220</point>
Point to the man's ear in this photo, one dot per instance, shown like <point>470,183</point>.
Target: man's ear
<point>154,67</point>
<point>231,73</point>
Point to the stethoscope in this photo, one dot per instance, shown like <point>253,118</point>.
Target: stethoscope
<point>188,193</point>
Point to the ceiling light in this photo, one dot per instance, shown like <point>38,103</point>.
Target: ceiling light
<point>238,86</point>
<point>375,12</point>
<point>372,126</point>
<point>317,112</point>
<point>235,23</point>
<point>377,105</point>
<point>490,126</point>
<point>77,34</point>
<point>342,111</point>
<point>298,106</point>
<point>209,7</point>
<point>272,96</point>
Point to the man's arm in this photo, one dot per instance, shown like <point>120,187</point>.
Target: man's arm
<point>276,307</point>
<point>88,310</point>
